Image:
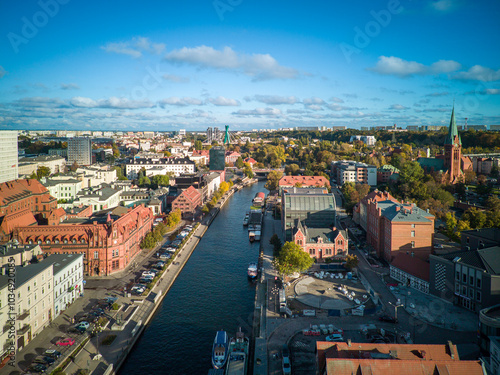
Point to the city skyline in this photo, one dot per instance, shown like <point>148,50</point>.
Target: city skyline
<point>75,66</point>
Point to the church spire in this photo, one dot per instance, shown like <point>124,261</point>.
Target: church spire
<point>452,131</point>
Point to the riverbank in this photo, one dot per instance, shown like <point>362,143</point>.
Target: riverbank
<point>112,357</point>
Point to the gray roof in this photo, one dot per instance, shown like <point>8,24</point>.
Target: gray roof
<point>105,193</point>
<point>10,249</point>
<point>62,260</point>
<point>4,280</point>
<point>42,158</point>
<point>434,163</point>
<point>491,234</point>
<point>486,259</point>
<point>309,202</point>
<point>397,212</point>
<point>26,273</point>
<point>312,233</point>
<point>52,182</point>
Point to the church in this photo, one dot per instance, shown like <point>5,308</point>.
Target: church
<point>452,163</point>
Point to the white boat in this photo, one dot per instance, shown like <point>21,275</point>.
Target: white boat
<point>220,350</point>
<point>252,270</point>
<point>246,219</point>
<point>257,235</point>
<point>238,355</point>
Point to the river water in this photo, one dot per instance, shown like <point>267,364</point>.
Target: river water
<point>211,293</point>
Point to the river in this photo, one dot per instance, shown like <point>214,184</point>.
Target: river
<point>211,293</point>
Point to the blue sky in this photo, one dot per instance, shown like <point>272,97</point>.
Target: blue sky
<point>169,65</point>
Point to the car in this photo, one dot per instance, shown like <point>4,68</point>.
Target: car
<point>148,274</point>
<point>154,271</point>
<point>170,249</point>
<point>159,265</point>
<point>336,337</point>
<point>68,341</point>
<point>165,256</point>
<point>52,353</point>
<point>388,319</point>
<point>37,367</point>
<point>438,246</point>
<point>285,355</point>
<point>175,243</point>
<point>44,360</point>
<point>82,326</point>
<point>145,280</point>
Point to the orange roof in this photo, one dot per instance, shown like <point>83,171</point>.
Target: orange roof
<point>191,194</point>
<point>19,189</point>
<point>250,161</point>
<point>405,367</point>
<point>377,196</point>
<point>17,219</point>
<point>319,181</point>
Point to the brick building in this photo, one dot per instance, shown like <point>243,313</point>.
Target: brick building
<point>23,202</point>
<point>108,240</point>
<point>394,227</point>
<point>320,243</point>
<point>187,201</point>
<point>302,181</point>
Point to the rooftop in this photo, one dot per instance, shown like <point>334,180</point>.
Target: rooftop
<point>412,265</point>
<point>485,259</point>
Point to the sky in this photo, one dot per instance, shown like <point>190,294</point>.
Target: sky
<point>170,65</point>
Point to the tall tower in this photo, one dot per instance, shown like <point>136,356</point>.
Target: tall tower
<point>227,138</point>
<point>453,151</point>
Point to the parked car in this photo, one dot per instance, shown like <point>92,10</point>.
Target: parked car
<point>138,289</point>
<point>165,256</point>
<point>44,360</point>
<point>37,367</point>
<point>175,243</point>
<point>170,249</point>
<point>52,353</point>
<point>336,337</point>
<point>145,280</point>
<point>388,319</point>
<point>68,341</point>
<point>285,362</point>
<point>438,246</point>
<point>159,265</point>
<point>82,326</point>
<point>148,274</point>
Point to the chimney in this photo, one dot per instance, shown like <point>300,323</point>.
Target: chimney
<point>349,343</point>
<point>424,355</point>
<point>398,208</point>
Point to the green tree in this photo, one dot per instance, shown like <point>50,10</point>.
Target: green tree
<point>42,172</point>
<point>116,152</point>
<point>144,181</point>
<point>148,242</point>
<point>247,170</point>
<point>160,180</point>
<point>476,218</point>
<point>273,179</point>
<point>205,209</point>
<point>239,163</point>
<point>411,172</point>
<point>363,190</point>
<point>351,262</point>
<point>451,224</point>
<point>198,145</point>
<point>292,259</point>
<point>292,170</point>
<point>461,226</point>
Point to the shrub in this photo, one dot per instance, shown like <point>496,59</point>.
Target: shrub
<point>115,306</point>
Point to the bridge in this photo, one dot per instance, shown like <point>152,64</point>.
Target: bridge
<point>265,172</point>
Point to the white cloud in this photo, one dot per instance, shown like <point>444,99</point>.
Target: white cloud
<point>180,102</point>
<point>69,86</point>
<point>38,102</point>
<point>2,72</point>
<point>396,66</point>
<point>445,6</point>
<point>314,107</point>
<point>222,101</point>
<point>338,107</point>
<point>492,91</point>
<point>260,67</point>
<point>113,102</point>
<point>435,94</point>
<point>398,107</point>
<point>258,112</point>
<point>336,100</point>
<point>175,78</point>
<point>478,73</point>
<point>313,100</point>
<point>135,47</point>
<point>275,99</point>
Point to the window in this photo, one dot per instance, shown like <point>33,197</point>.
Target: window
<point>413,225</point>
<point>464,290</point>
<point>478,296</point>
<point>96,255</point>
<point>478,282</point>
<point>471,280</point>
<point>464,277</point>
<point>458,276</point>
<point>312,251</point>
<point>412,244</point>
<point>413,233</point>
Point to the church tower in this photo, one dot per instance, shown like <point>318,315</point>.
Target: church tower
<point>453,151</point>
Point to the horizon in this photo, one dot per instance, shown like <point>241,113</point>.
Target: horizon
<point>253,65</point>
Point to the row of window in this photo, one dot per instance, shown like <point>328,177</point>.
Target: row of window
<point>468,292</point>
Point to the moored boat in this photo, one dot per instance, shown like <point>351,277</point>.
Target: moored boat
<point>251,236</point>
<point>252,270</point>
<point>238,354</point>
<point>246,219</point>
<point>220,350</point>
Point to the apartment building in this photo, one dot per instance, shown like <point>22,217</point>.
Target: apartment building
<point>176,166</point>
<point>353,171</point>
<point>68,272</point>
<point>8,155</point>
<point>80,151</point>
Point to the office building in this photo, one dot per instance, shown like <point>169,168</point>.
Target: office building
<point>8,155</point>
<point>80,151</point>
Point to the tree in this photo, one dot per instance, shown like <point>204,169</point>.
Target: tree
<point>223,187</point>
<point>116,152</point>
<point>160,180</point>
<point>198,145</point>
<point>247,170</point>
<point>451,224</point>
<point>292,259</point>
<point>144,181</point>
<point>42,172</point>
<point>363,190</point>
<point>239,163</point>
<point>148,242</point>
<point>469,176</point>
<point>292,170</point>
<point>411,172</point>
<point>205,209</point>
<point>276,242</point>
<point>273,179</point>
<point>351,262</point>
<point>475,217</point>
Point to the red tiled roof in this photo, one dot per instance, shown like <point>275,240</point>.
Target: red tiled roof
<point>250,161</point>
<point>18,189</point>
<point>319,181</point>
<point>412,265</point>
<point>191,194</point>
<point>17,219</point>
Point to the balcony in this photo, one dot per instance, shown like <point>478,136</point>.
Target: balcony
<point>24,315</point>
<point>23,330</point>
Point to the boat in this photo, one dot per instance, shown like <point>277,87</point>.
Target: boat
<point>220,350</point>
<point>257,235</point>
<point>251,236</point>
<point>246,219</point>
<point>238,354</point>
<point>252,270</point>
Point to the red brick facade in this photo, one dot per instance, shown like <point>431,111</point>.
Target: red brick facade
<point>303,181</point>
<point>108,244</point>
<point>187,201</point>
<point>21,202</point>
<point>318,248</point>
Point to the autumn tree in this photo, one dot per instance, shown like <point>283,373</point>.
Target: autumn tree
<point>351,262</point>
<point>273,179</point>
<point>292,259</point>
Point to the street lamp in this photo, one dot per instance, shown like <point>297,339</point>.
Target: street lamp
<point>396,309</point>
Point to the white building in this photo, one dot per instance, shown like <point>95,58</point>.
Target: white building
<point>368,140</point>
<point>100,199</point>
<point>176,166</point>
<point>62,187</point>
<point>68,279</point>
<point>213,183</point>
<point>97,175</point>
<point>80,151</point>
<point>56,164</point>
<point>8,155</point>
<point>5,342</point>
<point>353,171</point>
